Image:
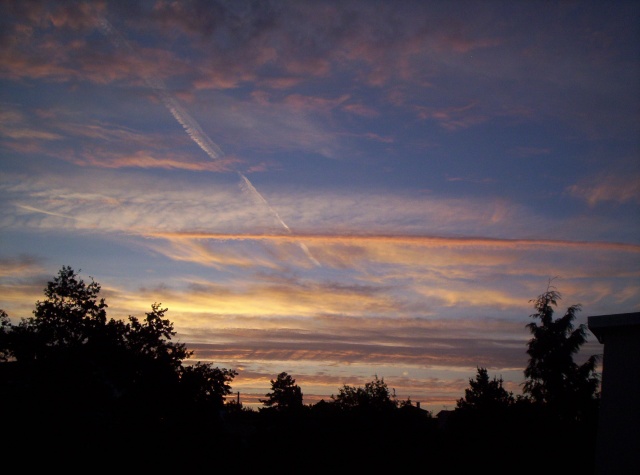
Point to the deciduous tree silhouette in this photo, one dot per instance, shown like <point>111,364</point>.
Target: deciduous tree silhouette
<point>69,370</point>
<point>375,395</point>
<point>76,381</point>
<point>207,385</point>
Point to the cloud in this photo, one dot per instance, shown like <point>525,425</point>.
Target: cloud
<point>283,346</point>
<point>398,227</point>
<point>107,158</point>
<point>22,279</point>
<point>100,144</point>
<point>452,118</point>
<point>608,188</point>
<point>265,127</point>
<point>431,262</point>
<point>361,110</point>
<point>422,241</point>
<point>412,50</point>
<point>15,125</point>
<point>437,277</point>
<point>313,103</point>
<point>21,265</point>
<point>28,134</point>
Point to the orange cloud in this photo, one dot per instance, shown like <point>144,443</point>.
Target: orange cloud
<point>422,241</point>
<point>142,159</point>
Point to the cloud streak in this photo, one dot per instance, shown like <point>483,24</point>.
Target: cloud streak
<point>611,188</point>
<point>426,241</point>
<point>194,130</point>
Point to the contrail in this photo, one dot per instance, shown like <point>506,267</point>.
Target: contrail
<point>50,213</point>
<point>249,188</point>
<point>191,126</point>
<point>252,189</point>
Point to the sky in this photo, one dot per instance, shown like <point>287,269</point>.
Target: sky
<point>339,190</point>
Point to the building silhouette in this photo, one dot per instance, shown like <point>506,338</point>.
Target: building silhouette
<point>618,443</point>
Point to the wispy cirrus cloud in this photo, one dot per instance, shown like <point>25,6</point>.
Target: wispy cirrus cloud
<point>16,126</point>
<point>106,158</point>
<point>21,265</point>
<point>386,45</point>
<point>608,188</point>
<point>101,144</point>
<point>168,206</point>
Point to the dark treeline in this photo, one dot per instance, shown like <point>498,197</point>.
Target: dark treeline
<point>80,391</point>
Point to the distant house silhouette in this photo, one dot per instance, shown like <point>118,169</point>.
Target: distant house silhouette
<point>618,444</point>
<point>443,418</point>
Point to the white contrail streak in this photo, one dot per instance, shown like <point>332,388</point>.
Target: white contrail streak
<point>249,188</point>
<point>252,189</point>
<point>50,213</point>
<point>189,124</point>
<point>192,127</point>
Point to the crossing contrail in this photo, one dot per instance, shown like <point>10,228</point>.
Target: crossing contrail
<point>192,127</point>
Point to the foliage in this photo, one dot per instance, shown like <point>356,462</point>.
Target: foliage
<point>71,363</point>
<point>552,377</point>
<point>285,394</point>
<point>484,394</point>
<point>71,316</point>
<point>374,396</point>
<point>76,380</point>
<point>206,384</point>
<point>405,403</point>
<point>5,328</point>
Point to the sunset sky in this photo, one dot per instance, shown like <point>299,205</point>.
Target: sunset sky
<point>335,189</point>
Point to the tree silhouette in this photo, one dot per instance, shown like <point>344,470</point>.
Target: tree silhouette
<point>375,395</point>
<point>207,385</point>
<point>484,394</point>
<point>5,328</point>
<point>70,317</point>
<point>70,370</point>
<point>74,381</point>
<point>285,394</point>
<point>553,378</point>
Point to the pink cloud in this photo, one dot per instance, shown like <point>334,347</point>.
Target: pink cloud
<point>379,138</point>
<point>76,15</point>
<point>361,110</point>
<point>313,103</point>
<point>283,82</point>
<point>616,188</point>
<point>143,159</point>
<point>261,97</point>
<point>452,118</point>
<point>462,44</point>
